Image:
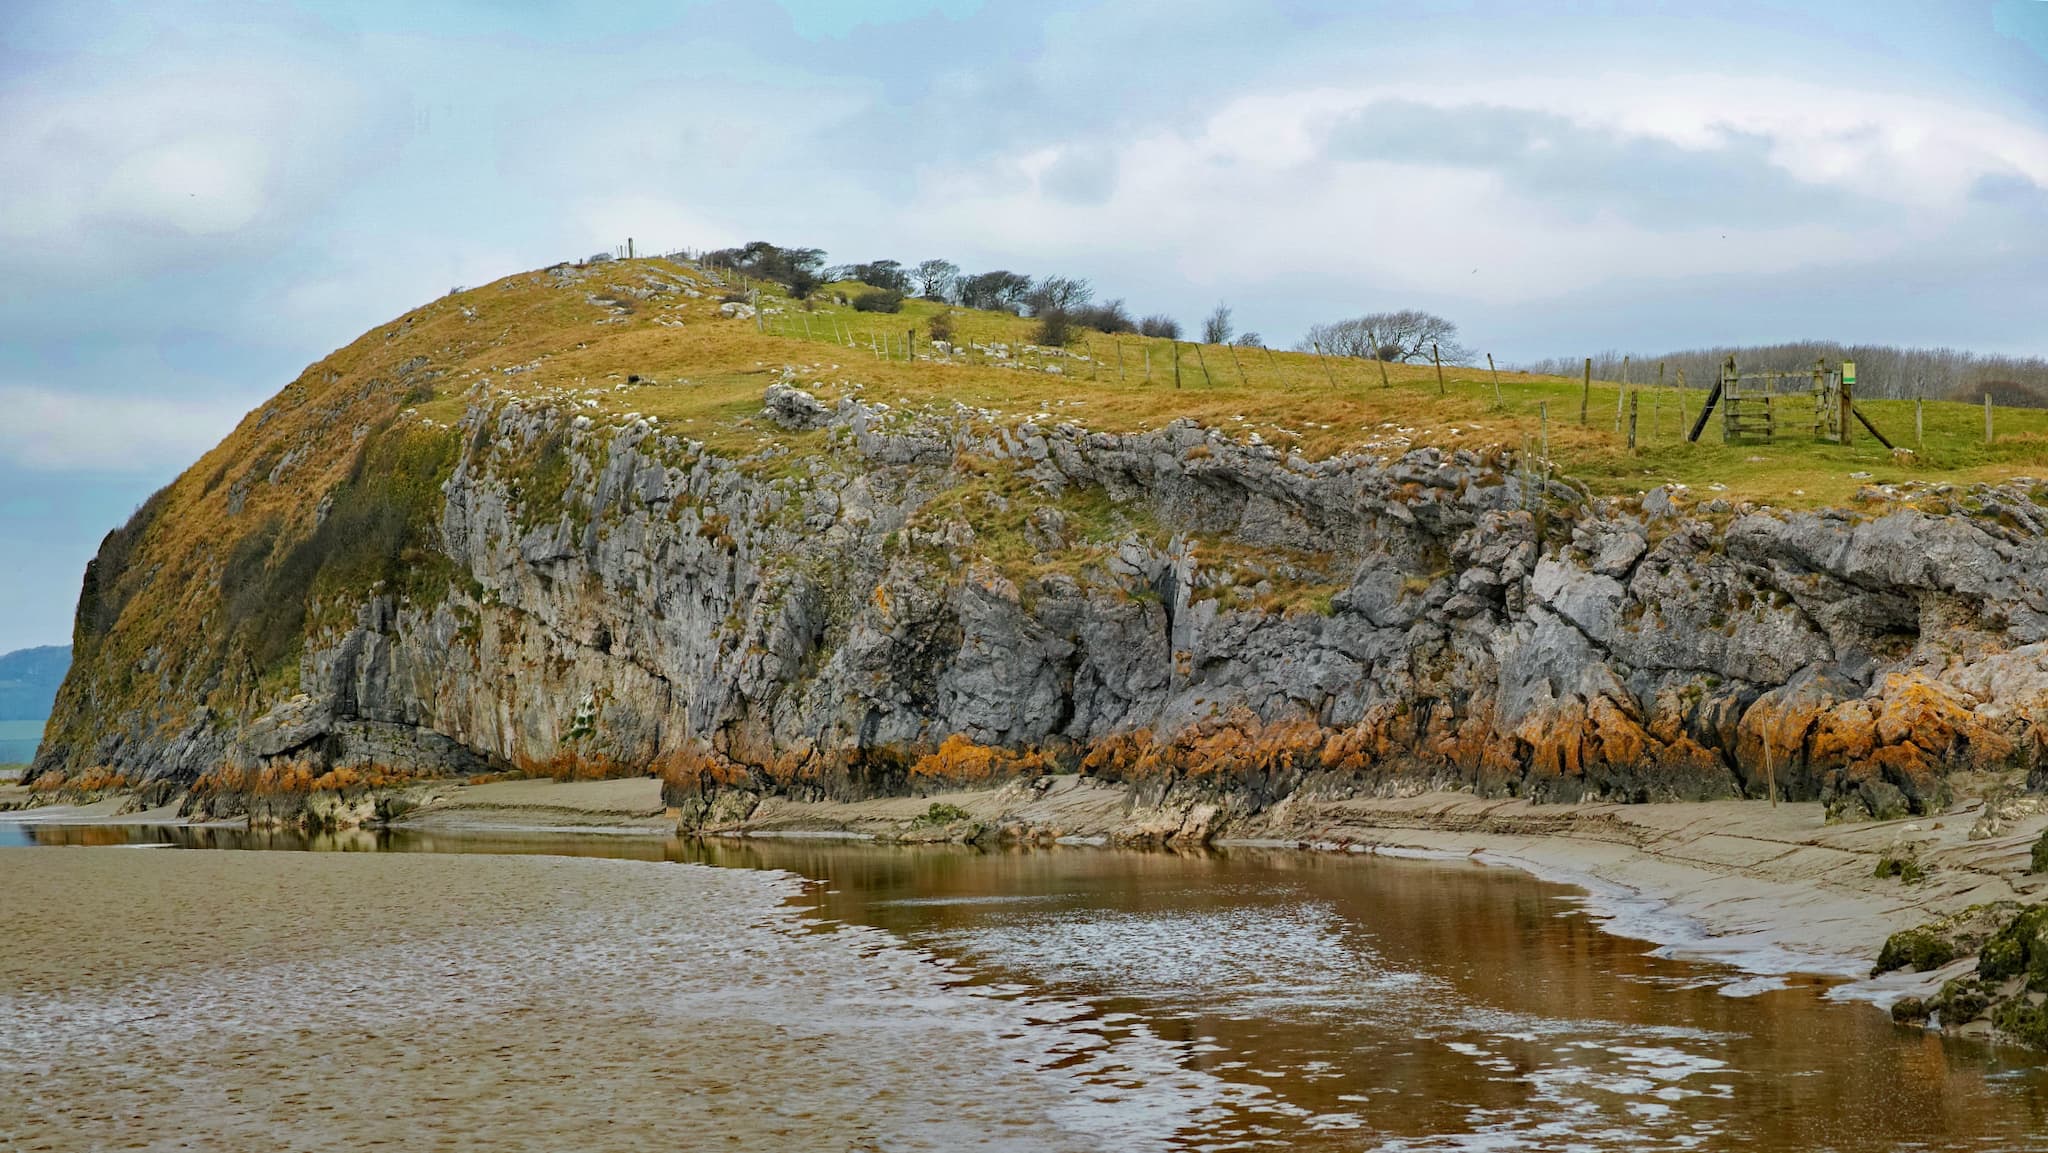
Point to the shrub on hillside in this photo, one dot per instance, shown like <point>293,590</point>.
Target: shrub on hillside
<point>1165,326</point>
<point>878,300</point>
<point>1110,316</point>
<point>941,326</point>
<point>1055,328</point>
<point>801,283</point>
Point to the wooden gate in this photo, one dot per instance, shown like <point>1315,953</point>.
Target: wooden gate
<point>1750,402</point>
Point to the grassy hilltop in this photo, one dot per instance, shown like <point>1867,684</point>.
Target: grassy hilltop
<point>332,490</point>
<point>703,378</point>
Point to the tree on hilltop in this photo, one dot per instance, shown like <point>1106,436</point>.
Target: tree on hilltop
<point>1405,335</point>
<point>1001,290</point>
<point>796,269</point>
<point>1058,294</point>
<point>935,278</point>
<point>1216,329</point>
<point>886,275</point>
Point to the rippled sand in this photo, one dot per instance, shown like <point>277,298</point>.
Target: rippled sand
<point>171,999</point>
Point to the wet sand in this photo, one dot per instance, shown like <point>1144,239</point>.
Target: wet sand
<point>1772,889</point>
<point>255,1000</point>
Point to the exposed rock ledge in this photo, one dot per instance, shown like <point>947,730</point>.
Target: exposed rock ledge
<point>935,600</point>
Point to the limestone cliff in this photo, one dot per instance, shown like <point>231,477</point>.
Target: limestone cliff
<point>870,597</point>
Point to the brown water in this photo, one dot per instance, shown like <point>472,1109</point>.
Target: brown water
<point>1274,999</point>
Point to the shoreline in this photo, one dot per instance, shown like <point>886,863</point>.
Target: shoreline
<point>1770,891</point>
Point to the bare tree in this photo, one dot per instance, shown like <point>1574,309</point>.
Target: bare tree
<point>1251,340</point>
<point>1160,325</point>
<point>935,278</point>
<point>1404,335</point>
<point>1058,294</point>
<point>1216,329</point>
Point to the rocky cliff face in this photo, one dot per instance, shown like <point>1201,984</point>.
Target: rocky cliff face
<point>926,597</point>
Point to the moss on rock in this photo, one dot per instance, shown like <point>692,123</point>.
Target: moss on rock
<point>1919,949</point>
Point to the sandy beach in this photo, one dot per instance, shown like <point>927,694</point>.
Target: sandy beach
<point>251,1000</point>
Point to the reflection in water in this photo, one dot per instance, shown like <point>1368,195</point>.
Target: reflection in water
<point>1363,1003</point>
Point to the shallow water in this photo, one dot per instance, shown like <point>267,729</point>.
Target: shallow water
<point>1275,999</point>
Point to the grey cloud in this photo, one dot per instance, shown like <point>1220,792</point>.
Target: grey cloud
<point>1082,175</point>
<point>1580,171</point>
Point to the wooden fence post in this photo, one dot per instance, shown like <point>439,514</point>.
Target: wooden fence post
<point>1543,418</point>
<point>1919,422</point>
<point>1622,396</point>
<point>1241,377</point>
<point>1438,361</point>
<point>1586,397</point>
<point>1681,402</point>
<point>1327,370</point>
<point>1497,401</point>
<point>1207,380</point>
<point>1176,364</point>
<point>1988,437</point>
<point>1633,397</point>
<point>1278,374</point>
<point>1148,364</point>
<point>1119,359</point>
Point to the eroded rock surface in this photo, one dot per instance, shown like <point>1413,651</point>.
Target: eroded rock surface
<point>1222,621</point>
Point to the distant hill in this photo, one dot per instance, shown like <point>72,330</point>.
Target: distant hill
<point>29,680</point>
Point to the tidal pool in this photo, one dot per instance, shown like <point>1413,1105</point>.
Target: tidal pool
<point>810,994</point>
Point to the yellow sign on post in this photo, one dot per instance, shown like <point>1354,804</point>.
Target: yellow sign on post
<point>1848,400</point>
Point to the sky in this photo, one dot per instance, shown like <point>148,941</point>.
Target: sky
<point>200,199</point>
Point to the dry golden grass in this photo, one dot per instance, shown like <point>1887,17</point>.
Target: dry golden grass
<point>703,380</point>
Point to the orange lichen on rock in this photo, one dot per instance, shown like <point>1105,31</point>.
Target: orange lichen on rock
<point>570,766</point>
<point>691,770</point>
<point>97,779</point>
<point>1939,721</point>
<point>1237,746</point>
<point>289,778</point>
<point>960,761</point>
